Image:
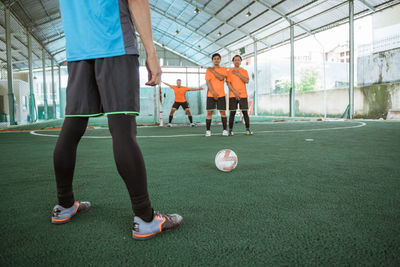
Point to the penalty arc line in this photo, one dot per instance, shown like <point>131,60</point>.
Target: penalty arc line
<point>362,124</point>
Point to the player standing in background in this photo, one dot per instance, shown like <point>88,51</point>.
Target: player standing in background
<point>180,100</point>
<point>236,81</point>
<point>215,78</point>
<point>103,68</point>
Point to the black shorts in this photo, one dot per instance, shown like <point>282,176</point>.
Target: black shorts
<point>220,104</point>
<point>103,86</point>
<point>184,105</point>
<point>243,103</point>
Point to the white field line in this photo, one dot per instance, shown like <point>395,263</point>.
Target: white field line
<point>360,124</point>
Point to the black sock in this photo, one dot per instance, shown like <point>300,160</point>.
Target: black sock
<point>223,122</point>
<point>231,119</point>
<point>208,124</point>
<point>130,163</point>
<point>190,119</point>
<point>64,158</point>
<point>170,119</point>
<point>246,118</point>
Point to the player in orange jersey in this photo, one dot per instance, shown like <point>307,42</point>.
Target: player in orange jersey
<point>215,77</point>
<point>180,100</point>
<point>236,81</point>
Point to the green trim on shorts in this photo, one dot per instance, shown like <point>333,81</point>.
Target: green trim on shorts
<point>86,115</point>
<point>122,112</point>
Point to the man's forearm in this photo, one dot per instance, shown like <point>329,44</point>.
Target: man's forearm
<point>244,79</point>
<point>210,88</point>
<point>140,11</point>
<point>217,75</point>
<point>231,88</point>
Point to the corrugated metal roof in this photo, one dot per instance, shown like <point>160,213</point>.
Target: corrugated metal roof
<point>222,26</point>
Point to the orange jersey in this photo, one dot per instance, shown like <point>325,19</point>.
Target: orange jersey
<point>217,85</point>
<point>237,83</point>
<point>180,93</point>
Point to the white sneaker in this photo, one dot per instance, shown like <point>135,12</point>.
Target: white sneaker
<point>224,133</point>
<point>169,125</point>
<point>193,124</point>
<point>208,133</point>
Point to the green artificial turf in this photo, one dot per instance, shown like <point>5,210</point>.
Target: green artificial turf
<point>331,201</point>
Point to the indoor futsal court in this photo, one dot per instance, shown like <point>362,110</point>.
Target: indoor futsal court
<point>305,101</point>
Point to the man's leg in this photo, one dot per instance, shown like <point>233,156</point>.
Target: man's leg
<point>171,115</point>
<point>223,119</point>
<point>65,156</point>
<point>208,119</point>
<point>231,119</point>
<point>130,163</point>
<point>189,115</point>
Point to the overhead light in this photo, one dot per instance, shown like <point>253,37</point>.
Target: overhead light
<point>196,10</point>
<point>219,34</point>
<point>248,14</point>
<point>177,31</point>
<point>199,46</point>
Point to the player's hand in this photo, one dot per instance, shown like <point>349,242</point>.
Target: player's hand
<point>201,88</point>
<point>238,97</point>
<point>153,69</point>
<point>215,96</point>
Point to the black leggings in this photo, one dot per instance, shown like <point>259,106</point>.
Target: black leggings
<point>127,155</point>
<point>245,117</point>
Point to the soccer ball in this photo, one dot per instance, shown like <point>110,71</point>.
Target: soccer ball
<point>226,160</point>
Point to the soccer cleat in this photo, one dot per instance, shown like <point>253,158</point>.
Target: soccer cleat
<point>62,215</point>
<point>224,133</point>
<point>208,133</point>
<point>231,133</point>
<point>193,124</point>
<point>248,132</point>
<point>169,125</point>
<point>161,223</point>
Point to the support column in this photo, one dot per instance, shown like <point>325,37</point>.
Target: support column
<point>46,110</point>
<point>199,92</point>
<point>60,95</point>
<point>255,80</point>
<point>53,90</point>
<point>351,59</point>
<point>292,81</point>
<point>32,115</point>
<point>11,101</point>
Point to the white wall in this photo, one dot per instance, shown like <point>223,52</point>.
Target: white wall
<point>312,102</point>
<point>21,94</point>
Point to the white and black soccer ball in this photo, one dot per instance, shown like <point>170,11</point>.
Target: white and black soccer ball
<point>226,160</point>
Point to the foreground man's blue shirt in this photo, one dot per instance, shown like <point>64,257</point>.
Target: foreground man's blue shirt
<point>97,29</point>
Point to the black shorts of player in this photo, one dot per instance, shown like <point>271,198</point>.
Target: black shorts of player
<point>103,86</point>
<point>184,105</point>
<point>243,103</point>
<point>220,104</point>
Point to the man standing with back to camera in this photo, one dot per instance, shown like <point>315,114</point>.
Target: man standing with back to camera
<point>103,68</point>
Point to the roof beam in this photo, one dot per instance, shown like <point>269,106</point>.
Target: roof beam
<point>283,16</point>
<point>49,20</point>
<point>58,37</point>
<point>181,42</point>
<point>223,21</point>
<point>177,21</point>
<point>368,5</point>
<point>178,54</point>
